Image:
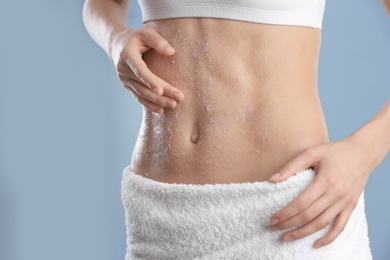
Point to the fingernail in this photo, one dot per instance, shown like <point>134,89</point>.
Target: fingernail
<point>169,48</point>
<point>318,245</point>
<point>288,238</point>
<point>178,96</point>
<point>172,104</point>
<point>273,221</point>
<point>160,111</point>
<point>275,177</point>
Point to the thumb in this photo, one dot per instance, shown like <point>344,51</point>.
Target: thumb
<point>302,161</point>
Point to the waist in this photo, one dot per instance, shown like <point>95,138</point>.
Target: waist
<point>250,104</point>
<point>214,143</point>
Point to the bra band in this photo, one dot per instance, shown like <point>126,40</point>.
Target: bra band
<point>280,12</point>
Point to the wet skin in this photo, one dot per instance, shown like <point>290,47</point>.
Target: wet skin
<point>251,101</point>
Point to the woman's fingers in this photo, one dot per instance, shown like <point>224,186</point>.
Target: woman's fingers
<point>330,198</point>
<point>171,91</point>
<point>151,39</point>
<point>146,103</point>
<point>143,92</point>
<point>131,65</point>
<point>319,223</point>
<point>157,85</point>
<point>304,160</point>
<point>171,94</point>
<point>312,193</point>
<point>142,72</point>
<point>155,41</point>
<point>338,226</point>
<point>331,216</point>
<point>304,216</point>
<point>334,206</point>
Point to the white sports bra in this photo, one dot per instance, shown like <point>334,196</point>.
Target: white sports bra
<point>282,12</point>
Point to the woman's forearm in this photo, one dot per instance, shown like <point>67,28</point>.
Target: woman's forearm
<point>103,18</point>
<point>386,5</point>
<point>374,136</point>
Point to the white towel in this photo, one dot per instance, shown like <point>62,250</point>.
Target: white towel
<point>226,221</point>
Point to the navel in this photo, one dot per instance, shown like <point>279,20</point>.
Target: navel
<point>194,137</point>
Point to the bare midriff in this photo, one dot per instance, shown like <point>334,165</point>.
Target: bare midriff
<point>251,101</point>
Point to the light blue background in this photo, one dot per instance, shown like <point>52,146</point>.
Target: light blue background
<point>67,126</point>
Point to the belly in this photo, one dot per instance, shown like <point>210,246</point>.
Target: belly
<point>251,102</point>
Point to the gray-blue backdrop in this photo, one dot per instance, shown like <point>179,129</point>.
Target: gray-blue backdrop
<point>67,126</point>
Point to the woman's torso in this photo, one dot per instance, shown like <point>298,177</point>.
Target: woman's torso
<point>251,101</point>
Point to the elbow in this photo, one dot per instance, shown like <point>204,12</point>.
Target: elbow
<point>122,2</point>
<point>119,2</point>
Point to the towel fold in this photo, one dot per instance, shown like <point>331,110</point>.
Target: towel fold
<point>226,221</point>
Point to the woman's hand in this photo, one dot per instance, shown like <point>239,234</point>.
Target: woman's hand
<point>126,51</point>
<point>342,171</point>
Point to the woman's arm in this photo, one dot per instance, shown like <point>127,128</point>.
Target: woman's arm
<point>375,135</point>
<point>106,22</point>
<point>103,19</point>
<point>342,169</point>
<point>386,5</point>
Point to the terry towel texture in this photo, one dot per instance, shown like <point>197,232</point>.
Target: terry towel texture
<point>226,221</point>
